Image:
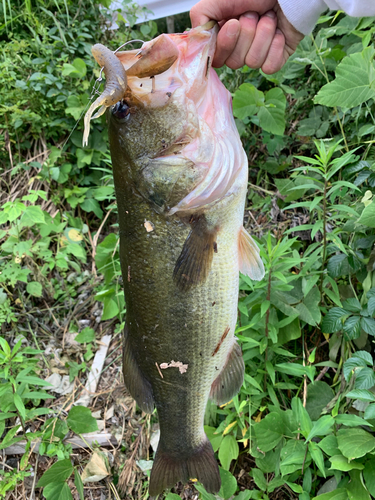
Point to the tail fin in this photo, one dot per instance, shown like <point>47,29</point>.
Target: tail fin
<point>200,464</point>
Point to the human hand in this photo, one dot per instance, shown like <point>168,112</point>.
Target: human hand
<point>252,32</point>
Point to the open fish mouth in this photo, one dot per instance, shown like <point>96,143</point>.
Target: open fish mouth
<point>176,68</point>
<point>135,70</point>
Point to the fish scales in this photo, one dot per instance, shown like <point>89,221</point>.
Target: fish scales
<point>180,177</point>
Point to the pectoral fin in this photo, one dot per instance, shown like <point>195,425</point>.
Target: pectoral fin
<point>136,383</point>
<point>230,379</point>
<point>194,263</point>
<point>250,262</point>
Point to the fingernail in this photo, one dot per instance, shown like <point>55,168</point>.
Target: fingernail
<point>233,29</point>
<point>279,32</point>
<point>271,14</point>
<point>251,15</point>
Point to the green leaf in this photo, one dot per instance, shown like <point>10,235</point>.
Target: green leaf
<point>57,473</point>
<point>272,115</point>
<point>269,431</point>
<point>77,69</point>
<point>319,394</point>
<point>276,482</point>
<point>352,305</point>
<point>353,84</point>
<point>259,479</point>
<point>31,379</point>
<point>329,445</point>
<point>302,417</point>
<point>370,412</point>
<point>338,265</point>
<point>34,288</point>
<point>91,205</point>
<point>368,325</point>
<point>269,462</point>
<point>365,356</point>
<point>332,321</point>
<point>228,484</point>
<point>57,491</point>
<point>297,370</point>
<point>246,101</point>
<point>78,484</point>
<point>215,439</point>
<point>355,443</point>
<point>350,420</point>
<point>351,365</point>
<point>365,378</point>
<point>290,330</point>
<point>171,496</point>
<point>369,476</point>
<point>338,494</point>
<point>87,335</point>
<point>321,426</point>
<point>317,456</point>
<point>80,420</point>
<point>110,309</point>
<point>339,462</point>
<point>368,215</point>
<point>32,215</point>
<point>293,456</point>
<point>19,405</point>
<point>228,451</point>
<point>361,394</point>
<point>352,328</point>
<point>355,488</point>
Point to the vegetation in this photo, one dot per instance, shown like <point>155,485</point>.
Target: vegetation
<point>302,426</point>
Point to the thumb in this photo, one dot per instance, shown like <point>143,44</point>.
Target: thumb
<point>197,17</point>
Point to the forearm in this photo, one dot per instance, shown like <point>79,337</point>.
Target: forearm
<point>303,14</point>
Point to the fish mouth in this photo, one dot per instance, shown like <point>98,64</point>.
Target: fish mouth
<point>177,60</point>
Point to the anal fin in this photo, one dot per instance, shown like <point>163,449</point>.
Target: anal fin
<point>136,383</point>
<point>250,262</point>
<point>194,263</point>
<point>230,379</point>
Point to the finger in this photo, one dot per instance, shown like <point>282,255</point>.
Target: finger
<point>264,35</point>
<point>248,24</point>
<point>275,58</point>
<point>226,42</point>
<point>206,10</point>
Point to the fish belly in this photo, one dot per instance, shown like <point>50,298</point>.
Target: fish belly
<point>193,328</point>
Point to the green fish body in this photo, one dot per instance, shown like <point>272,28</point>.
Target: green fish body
<point>180,175</point>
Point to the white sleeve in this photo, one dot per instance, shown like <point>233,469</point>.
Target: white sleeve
<point>303,14</point>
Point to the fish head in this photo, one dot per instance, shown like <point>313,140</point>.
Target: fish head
<point>174,114</point>
<point>165,79</point>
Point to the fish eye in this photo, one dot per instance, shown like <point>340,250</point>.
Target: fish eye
<point>121,110</point>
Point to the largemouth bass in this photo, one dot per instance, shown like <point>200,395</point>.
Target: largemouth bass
<point>180,176</point>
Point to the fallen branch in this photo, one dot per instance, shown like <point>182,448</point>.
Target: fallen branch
<point>95,372</point>
<point>87,440</point>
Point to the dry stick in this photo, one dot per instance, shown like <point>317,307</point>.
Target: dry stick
<point>34,480</point>
<point>84,441</point>
<point>95,372</point>
<point>305,377</point>
<point>74,312</point>
<point>254,219</point>
<point>322,373</point>
<point>37,156</point>
<point>124,476</point>
<point>53,316</point>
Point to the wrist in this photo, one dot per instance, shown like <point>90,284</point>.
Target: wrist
<point>302,14</point>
